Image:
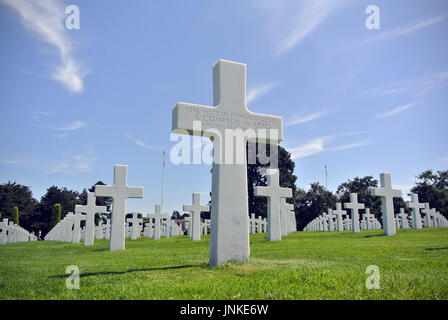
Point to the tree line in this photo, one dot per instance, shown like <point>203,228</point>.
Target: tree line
<point>18,204</point>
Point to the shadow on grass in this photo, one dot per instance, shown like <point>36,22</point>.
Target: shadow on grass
<point>445,248</point>
<point>82,275</point>
<point>375,235</point>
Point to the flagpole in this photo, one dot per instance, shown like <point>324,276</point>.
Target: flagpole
<point>163,176</point>
<point>326,177</point>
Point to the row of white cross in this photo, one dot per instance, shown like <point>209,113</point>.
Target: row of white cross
<point>69,228</point>
<point>432,217</point>
<point>11,233</point>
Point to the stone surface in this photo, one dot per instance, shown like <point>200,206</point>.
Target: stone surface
<point>77,218</point>
<point>119,192</point>
<point>386,193</point>
<point>158,217</point>
<point>229,238</point>
<point>354,207</point>
<point>273,192</point>
<point>404,222</point>
<point>90,210</point>
<point>195,209</point>
<point>339,213</point>
<point>415,206</point>
<point>136,221</point>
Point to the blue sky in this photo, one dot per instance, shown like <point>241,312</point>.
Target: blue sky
<point>75,102</point>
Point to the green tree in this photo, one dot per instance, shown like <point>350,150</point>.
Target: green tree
<point>361,187</point>
<point>15,216</point>
<point>256,177</point>
<point>433,188</point>
<point>20,196</point>
<point>100,201</point>
<point>65,197</point>
<point>309,205</point>
<point>56,218</point>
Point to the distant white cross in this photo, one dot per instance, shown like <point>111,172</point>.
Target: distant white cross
<point>369,219</point>
<point>90,210</point>
<point>387,195</point>
<point>354,207</point>
<point>428,213</point>
<point>158,217</point>
<point>196,208</point>
<point>285,210</point>
<point>77,218</point>
<point>330,216</point>
<point>403,219</point>
<point>339,213</point>
<point>136,221</point>
<point>273,192</point>
<point>415,206</point>
<point>119,192</point>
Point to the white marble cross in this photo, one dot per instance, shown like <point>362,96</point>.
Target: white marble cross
<point>415,206</point>
<point>90,210</point>
<point>228,119</point>
<point>368,217</point>
<point>403,219</point>
<point>252,223</point>
<point>69,227</point>
<point>259,224</point>
<point>387,195</point>
<point>273,192</point>
<point>119,192</point>
<point>187,221</point>
<point>136,221</point>
<point>330,220</point>
<point>77,218</point>
<point>285,209</point>
<point>354,207</point>
<point>158,216</point>
<point>3,231</point>
<point>428,212</point>
<point>195,209</point>
<point>339,213</point>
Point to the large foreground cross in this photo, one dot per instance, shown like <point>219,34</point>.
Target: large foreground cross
<point>119,192</point>
<point>228,120</point>
<point>387,195</point>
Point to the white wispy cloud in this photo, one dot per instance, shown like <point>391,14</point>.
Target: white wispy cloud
<point>72,126</point>
<point>46,20</point>
<point>309,148</point>
<point>396,110</point>
<point>258,91</point>
<point>398,32</point>
<point>140,143</point>
<point>321,144</point>
<point>293,21</point>
<point>417,87</point>
<point>349,146</point>
<point>304,118</point>
<point>74,163</point>
<point>444,159</point>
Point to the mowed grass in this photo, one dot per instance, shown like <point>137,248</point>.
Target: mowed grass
<point>304,265</point>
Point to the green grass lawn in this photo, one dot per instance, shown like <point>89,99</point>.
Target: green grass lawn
<point>305,265</point>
